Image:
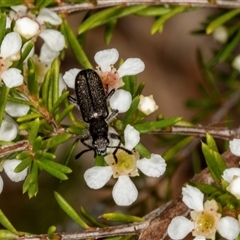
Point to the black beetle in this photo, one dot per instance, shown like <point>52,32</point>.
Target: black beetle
<point>92,102</point>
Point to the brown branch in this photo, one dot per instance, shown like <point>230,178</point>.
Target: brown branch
<point>216,132</point>
<point>16,147</point>
<point>69,8</point>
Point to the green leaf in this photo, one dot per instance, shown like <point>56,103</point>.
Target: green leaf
<point>211,142</point>
<point>55,80</point>
<point>64,113</point>
<point>5,234</point>
<point>107,15</point>
<point>3,20</point>
<point>91,219</point>
<point>6,223</point>
<point>32,80</point>
<point>75,46</point>
<point>230,47</point>
<point>140,89</point>
<point>147,127</point>
<point>171,152</point>
<point>221,20</point>
<point>59,167</point>
<point>66,207</point>
<point>23,155</point>
<point>214,161</point>
<point>31,182</point>
<point>153,11</point>
<point>26,52</point>
<point>43,3</point>
<point>70,151</point>
<point>51,232</point>
<point>23,164</point>
<point>56,140</point>
<point>37,143</point>
<point>109,29</point>
<point>130,84</point>
<point>158,25</point>
<point>131,111</point>
<point>28,117</point>
<point>121,217</point>
<point>34,131</point>
<point>53,171</point>
<point>7,3</point>
<point>45,88</point>
<point>60,100</point>
<point>142,150</point>
<point>3,100</point>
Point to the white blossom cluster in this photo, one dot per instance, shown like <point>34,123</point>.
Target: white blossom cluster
<point>206,218</point>
<point>124,191</point>
<point>27,28</point>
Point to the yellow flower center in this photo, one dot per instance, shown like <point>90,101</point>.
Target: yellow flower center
<point>205,222</point>
<point>126,164</point>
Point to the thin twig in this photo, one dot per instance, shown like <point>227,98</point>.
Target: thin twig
<point>69,8</point>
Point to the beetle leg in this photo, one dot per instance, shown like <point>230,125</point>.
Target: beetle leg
<point>73,101</point>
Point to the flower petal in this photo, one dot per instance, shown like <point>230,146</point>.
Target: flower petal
<point>26,27</point>
<point>96,177</point>
<point>147,105</point>
<point>106,58</point>
<point>1,184</point>
<point>233,187</point>
<point>193,198</point>
<point>131,66</point>
<point>62,85</point>
<point>54,39</point>
<point>121,100</point>
<point>11,45</point>
<point>47,55</point>
<point>46,15</point>
<point>70,76</point>
<point>8,129</point>
<point>228,227</point>
<point>131,137</point>
<point>16,110</point>
<point>229,173</point>
<point>220,34</point>
<point>12,77</point>
<point>9,166</point>
<point>153,167</point>
<point>234,146</point>
<point>124,191</point>
<point>20,9</point>
<point>179,228</point>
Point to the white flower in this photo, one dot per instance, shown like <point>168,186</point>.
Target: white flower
<point>27,27</point>
<point>147,105</point>
<point>124,191</point>
<point>54,42</point>
<point>70,76</point>
<point>111,77</point>
<point>8,129</point>
<point>234,146</point>
<point>193,197</point>
<point>46,15</point>
<point>204,217</point>
<point>16,109</point>
<point>232,176</point>
<point>220,34</point>
<point>236,63</point>
<point>228,227</point>
<point>131,137</point>
<point>174,229</point>
<point>9,166</point>
<point>9,51</point>
<point>121,100</point>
